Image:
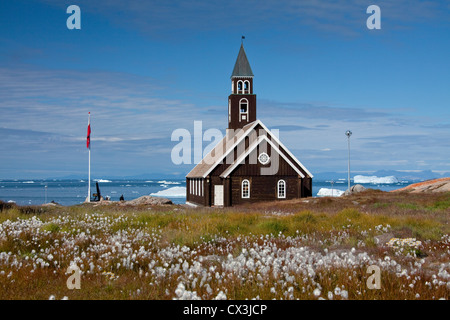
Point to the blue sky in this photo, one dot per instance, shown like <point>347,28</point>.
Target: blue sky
<point>146,68</point>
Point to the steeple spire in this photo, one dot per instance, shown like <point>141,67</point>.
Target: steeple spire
<point>242,100</point>
<point>242,66</point>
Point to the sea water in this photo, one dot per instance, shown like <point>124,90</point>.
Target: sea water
<point>72,192</point>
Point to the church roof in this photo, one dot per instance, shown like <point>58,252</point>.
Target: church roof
<point>223,149</point>
<point>271,171</point>
<point>217,154</point>
<point>242,66</point>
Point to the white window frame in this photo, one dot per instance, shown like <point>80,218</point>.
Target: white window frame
<point>248,88</point>
<point>242,189</point>
<point>240,112</point>
<point>242,86</point>
<point>279,183</point>
<point>263,162</point>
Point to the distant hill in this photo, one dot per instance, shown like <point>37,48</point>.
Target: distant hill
<point>318,176</point>
<point>143,176</point>
<point>400,175</point>
<point>410,176</point>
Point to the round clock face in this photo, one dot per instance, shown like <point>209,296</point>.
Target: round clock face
<point>263,158</point>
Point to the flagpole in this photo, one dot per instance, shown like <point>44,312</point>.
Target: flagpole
<point>89,173</point>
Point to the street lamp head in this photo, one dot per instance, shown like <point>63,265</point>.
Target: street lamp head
<point>348,133</point>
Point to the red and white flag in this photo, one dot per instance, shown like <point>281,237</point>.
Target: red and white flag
<point>88,142</point>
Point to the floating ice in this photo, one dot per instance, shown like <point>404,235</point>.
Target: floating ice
<point>325,192</point>
<point>375,179</point>
<point>175,192</point>
<point>168,182</point>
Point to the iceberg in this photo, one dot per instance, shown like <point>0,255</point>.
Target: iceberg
<point>175,192</point>
<point>375,179</point>
<point>102,180</point>
<point>326,192</point>
<point>168,182</point>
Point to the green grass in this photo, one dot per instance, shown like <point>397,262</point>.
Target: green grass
<point>441,205</point>
<point>315,223</point>
<point>273,226</point>
<point>187,226</point>
<point>380,205</point>
<point>409,206</point>
<point>51,227</point>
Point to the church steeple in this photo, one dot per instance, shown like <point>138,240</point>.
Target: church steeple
<point>242,101</point>
<point>242,66</point>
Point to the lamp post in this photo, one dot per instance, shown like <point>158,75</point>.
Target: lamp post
<point>348,133</point>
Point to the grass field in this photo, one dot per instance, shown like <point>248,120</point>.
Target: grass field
<point>315,248</point>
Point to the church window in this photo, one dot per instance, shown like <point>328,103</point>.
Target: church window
<point>281,189</point>
<point>240,86</point>
<point>243,106</point>
<point>246,86</point>
<point>245,189</point>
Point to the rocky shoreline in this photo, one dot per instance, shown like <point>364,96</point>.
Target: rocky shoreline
<point>436,185</point>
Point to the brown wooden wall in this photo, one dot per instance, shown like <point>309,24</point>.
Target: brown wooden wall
<point>234,100</point>
<point>195,198</point>
<point>290,158</point>
<point>307,187</point>
<point>264,188</point>
<point>252,168</point>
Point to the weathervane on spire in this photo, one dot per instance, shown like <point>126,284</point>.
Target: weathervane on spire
<point>242,39</point>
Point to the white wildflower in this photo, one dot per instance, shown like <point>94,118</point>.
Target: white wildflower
<point>316,292</point>
<point>221,296</point>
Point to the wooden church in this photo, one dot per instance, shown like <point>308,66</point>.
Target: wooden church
<point>250,164</point>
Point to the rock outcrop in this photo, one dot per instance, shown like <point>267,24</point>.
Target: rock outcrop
<point>147,200</point>
<point>51,204</point>
<point>355,189</point>
<point>436,185</point>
